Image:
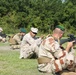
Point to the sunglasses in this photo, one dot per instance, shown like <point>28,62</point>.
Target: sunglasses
<point>34,33</point>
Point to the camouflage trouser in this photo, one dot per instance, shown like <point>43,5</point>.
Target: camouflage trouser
<point>15,46</point>
<point>28,51</point>
<point>67,73</point>
<point>2,39</point>
<point>58,65</point>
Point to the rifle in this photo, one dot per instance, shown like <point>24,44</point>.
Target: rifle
<point>71,38</point>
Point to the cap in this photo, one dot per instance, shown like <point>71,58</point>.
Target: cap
<point>22,30</point>
<point>35,30</point>
<point>60,27</point>
<point>1,29</point>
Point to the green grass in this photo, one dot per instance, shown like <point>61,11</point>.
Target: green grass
<point>4,44</point>
<point>10,64</point>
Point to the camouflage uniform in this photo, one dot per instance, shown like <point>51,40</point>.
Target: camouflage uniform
<point>29,46</point>
<point>2,39</point>
<point>15,41</point>
<point>2,36</point>
<point>52,58</point>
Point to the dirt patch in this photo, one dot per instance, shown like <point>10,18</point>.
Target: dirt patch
<point>6,48</point>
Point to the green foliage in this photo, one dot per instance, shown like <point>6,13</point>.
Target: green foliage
<point>43,14</point>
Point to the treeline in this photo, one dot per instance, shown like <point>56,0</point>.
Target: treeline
<point>43,14</point>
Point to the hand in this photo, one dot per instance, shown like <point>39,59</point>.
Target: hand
<point>69,45</point>
<point>42,37</point>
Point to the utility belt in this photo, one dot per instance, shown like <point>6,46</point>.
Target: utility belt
<point>44,60</point>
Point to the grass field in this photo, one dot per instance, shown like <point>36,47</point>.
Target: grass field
<point>10,64</point>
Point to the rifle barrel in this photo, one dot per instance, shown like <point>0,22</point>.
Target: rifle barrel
<point>63,41</point>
